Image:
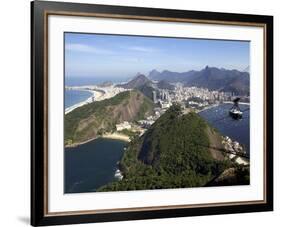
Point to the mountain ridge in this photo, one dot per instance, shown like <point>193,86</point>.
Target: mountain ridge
<point>210,77</point>
<point>138,81</point>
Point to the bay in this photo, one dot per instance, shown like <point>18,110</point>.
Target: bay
<point>72,97</point>
<point>238,130</point>
<point>91,165</point>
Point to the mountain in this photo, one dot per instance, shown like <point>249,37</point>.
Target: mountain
<point>91,120</point>
<point>136,82</point>
<point>210,77</point>
<point>221,80</point>
<point>147,90</point>
<point>154,75</point>
<point>169,76</point>
<point>247,69</point>
<point>144,85</point>
<point>106,84</point>
<point>164,84</point>
<point>177,151</point>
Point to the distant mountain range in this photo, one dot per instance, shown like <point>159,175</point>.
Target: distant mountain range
<point>164,84</point>
<point>213,78</point>
<point>170,76</point>
<point>210,77</point>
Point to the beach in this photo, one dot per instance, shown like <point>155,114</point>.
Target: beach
<point>97,95</point>
<point>114,136</point>
<point>117,136</point>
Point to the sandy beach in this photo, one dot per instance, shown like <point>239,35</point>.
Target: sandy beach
<point>99,94</point>
<point>117,136</point>
<point>96,94</point>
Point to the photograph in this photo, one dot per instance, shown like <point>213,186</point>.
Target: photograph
<point>146,113</point>
<point>155,112</point>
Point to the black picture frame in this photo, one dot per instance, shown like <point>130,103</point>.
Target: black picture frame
<point>39,111</point>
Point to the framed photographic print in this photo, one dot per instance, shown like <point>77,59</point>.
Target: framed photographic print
<point>142,113</point>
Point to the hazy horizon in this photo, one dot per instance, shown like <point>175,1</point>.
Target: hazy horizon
<point>121,56</point>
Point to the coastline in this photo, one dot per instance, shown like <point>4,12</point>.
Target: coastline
<point>114,136</point>
<point>208,107</point>
<point>240,103</point>
<point>216,105</point>
<point>81,143</point>
<point>96,94</point>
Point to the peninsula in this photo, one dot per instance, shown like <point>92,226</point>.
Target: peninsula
<point>177,151</point>
<point>100,118</point>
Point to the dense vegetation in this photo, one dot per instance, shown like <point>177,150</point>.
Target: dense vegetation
<point>173,153</point>
<point>96,118</point>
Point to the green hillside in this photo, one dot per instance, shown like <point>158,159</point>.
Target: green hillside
<point>174,153</point>
<point>96,118</point>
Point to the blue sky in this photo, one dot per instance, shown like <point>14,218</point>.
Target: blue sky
<point>90,55</point>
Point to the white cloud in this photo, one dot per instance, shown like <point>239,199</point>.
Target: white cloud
<point>142,49</point>
<point>86,48</point>
<point>129,59</point>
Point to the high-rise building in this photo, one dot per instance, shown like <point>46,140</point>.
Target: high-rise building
<point>154,96</point>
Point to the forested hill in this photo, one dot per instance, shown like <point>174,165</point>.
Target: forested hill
<point>173,153</point>
<point>96,118</point>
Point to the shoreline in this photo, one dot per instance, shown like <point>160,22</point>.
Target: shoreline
<point>95,94</point>
<point>81,143</point>
<point>208,107</point>
<point>216,105</point>
<point>114,136</point>
<point>98,94</point>
<point>240,103</point>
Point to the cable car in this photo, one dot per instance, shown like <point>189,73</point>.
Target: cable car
<point>235,111</point>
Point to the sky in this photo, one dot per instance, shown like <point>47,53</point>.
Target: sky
<point>95,55</point>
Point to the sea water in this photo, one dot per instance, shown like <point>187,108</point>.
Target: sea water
<point>238,130</point>
<point>91,165</point>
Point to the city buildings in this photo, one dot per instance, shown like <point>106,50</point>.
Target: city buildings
<point>122,126</point>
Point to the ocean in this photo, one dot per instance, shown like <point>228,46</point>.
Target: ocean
<point>73,97</point>
<point>80,81</point>
<point>92,165</point>
<point>238,130</point>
